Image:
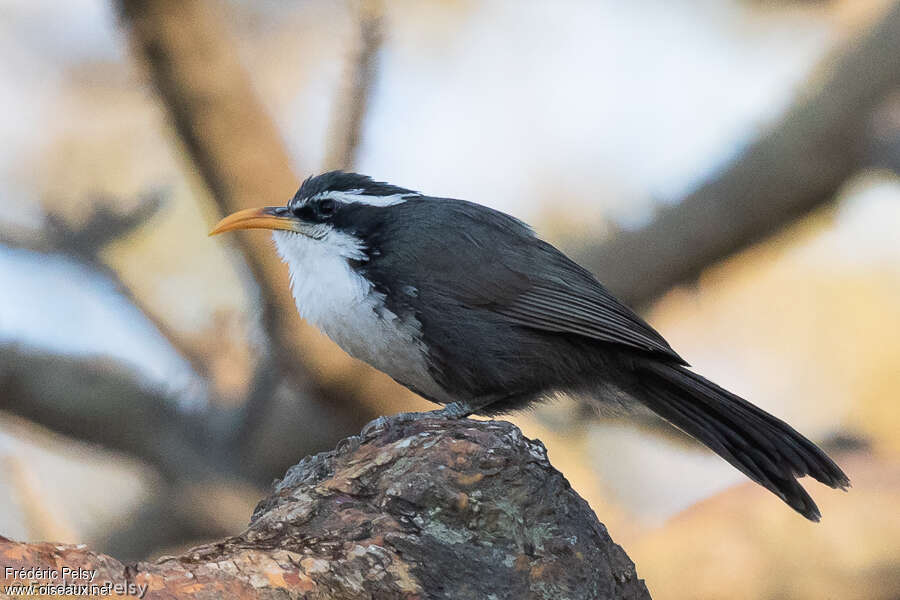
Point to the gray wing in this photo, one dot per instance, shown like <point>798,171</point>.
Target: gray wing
<point>473,256</point>
<point>564,297</point>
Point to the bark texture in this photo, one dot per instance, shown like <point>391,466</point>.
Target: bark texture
<point>424,508</point>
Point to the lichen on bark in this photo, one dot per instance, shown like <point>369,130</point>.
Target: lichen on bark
<point>411,508</point>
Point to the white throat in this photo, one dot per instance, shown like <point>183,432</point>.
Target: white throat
<point>322,281</point>
<point>344,305</point>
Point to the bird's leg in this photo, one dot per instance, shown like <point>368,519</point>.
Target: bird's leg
<point>461,410</point>
<point>456,410</point>
<point>453,410</point>
<point>377,425</point>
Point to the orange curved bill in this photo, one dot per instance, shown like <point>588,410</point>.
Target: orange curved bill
<point>254,218</point>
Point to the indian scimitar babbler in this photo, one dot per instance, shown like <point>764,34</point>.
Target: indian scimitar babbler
<point>467,307</point>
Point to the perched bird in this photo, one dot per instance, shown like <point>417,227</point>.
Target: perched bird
<point>467,307</point>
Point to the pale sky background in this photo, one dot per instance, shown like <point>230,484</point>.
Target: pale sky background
<point>648,96</point>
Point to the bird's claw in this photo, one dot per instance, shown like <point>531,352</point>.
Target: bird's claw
<point>454,410</point>
<point>374,427</point>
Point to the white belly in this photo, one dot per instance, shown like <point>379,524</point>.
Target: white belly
<point>343,305</point>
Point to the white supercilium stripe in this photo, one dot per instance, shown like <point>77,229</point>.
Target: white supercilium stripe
<point>358,197</point>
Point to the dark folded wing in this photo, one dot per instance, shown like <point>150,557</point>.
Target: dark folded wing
<point>566,298</point>
<point>565,312</point>
<point>470,256</point>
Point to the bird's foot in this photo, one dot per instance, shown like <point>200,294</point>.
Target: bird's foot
<point>454,410</point>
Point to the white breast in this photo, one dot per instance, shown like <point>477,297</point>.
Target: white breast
<point>343,305</point>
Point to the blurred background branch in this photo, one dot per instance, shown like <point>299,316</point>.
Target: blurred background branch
<point>800,164</point>
<point>236,148</point>
<point>229,137</point>
<point>214,454</point>
<point>103,404</point>
<point>350,110</point>
<point>192,62</point>
<point>85,243</point>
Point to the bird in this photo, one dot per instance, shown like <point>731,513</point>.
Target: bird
<point>467,307</point>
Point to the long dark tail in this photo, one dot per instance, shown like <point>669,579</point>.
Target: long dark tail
<point>766,449</point>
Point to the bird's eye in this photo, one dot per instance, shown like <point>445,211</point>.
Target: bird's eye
<point>326,207</point>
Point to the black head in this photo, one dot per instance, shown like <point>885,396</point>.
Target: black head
<point>348,183</point>
<point>345,201</point>
<point>343,210</point>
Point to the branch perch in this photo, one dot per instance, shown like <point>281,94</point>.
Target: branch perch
<point>428,508</point>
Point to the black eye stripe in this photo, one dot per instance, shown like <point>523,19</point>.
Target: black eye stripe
<point>301,210</point>
<point>316,209</point>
